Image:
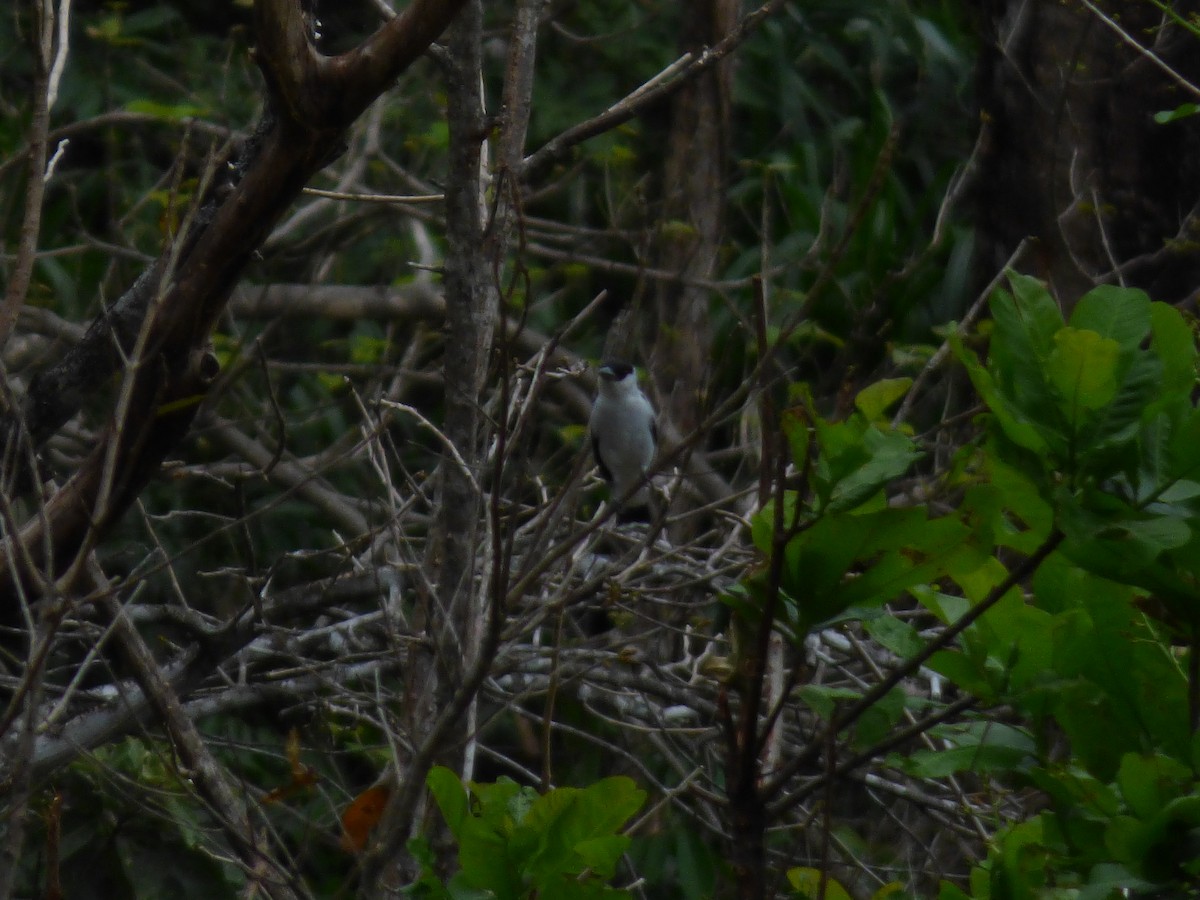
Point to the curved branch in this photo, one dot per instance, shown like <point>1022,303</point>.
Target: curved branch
<point>315,91</point>
<point>158,330</point>
<point>661,85</point>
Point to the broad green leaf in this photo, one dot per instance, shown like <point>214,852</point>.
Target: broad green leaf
<point>500,805</point>
<point>983,758</point>
<point>926,554</point>
<point>1082,369</point>
<point>1071,786</point>
<point>567,819</point>
<point>1025,323</point>
<point>1120,314</point>
<point>880,718</point>
<point>1117,424</point>
<point>1023,857</point>
<point>1120,692</point>
<point>762,523</point>
<point>601,854</point>
<point>1018,636</point>
<point>1006,507</point>
<point>1183,446</point>
<point>1183,111</point>
<point>449,795</point>
<point>1175,345</point>
<point>459,888</point>
<point>886,455</point>
<point>963,671</point>
<point>1028,317</point>
<point>947,891</point>
<point>946,607</point>
<point>1012,420</point>
<point>1121,547</point>
<point>1157,848</point>
<point>842,453</point>
<point>823,699</point>
<point>806,883</point>
<point>1108,880</point>
<point>485,863</point>
<point>895,635</point>
<point>874,399</point>
<point>847,560</point>
<point>602,808</point>
<point>1148,783</point>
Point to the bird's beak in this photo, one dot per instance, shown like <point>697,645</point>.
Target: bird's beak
<point>606,372</point>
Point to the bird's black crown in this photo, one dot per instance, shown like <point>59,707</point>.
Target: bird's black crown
<point>615,370</point>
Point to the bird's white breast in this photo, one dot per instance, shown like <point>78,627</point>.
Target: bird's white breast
<point>622,421</point>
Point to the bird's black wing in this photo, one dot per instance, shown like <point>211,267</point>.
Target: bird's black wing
<point>600,462</point>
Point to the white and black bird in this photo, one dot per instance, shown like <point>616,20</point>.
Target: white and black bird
<point>624,436</point>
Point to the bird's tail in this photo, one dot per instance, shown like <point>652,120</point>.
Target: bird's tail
<point>640,498</point>
<point>636,508</point>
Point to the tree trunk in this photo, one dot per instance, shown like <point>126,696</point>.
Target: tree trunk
<point>691,231</point>
<point>694,176</point>
<point>1073,155</point>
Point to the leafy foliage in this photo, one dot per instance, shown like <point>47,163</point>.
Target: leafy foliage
<point>514,843</point>
<point>1091,450</point>
<point>1020,591</point>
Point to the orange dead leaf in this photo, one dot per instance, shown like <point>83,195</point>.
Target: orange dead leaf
<point>363,814</point>
<point>302,776</point>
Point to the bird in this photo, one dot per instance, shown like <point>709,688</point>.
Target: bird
<point>624,437</point>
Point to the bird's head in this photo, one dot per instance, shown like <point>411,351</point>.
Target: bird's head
<point>617,373</point>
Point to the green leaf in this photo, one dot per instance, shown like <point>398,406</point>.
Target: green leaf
<point>874,399</point>
<point>1108,880</point>
<point>1029,316</point>
<point>449,795</point>
<point>900,561</point>
<point>1011,418</point>
<point>1148,783</point>
<point>1005,506</point>
<point>166,112</point>
<point>601,854</point>
<point>1024,325</point>
<point>1119,692</point>
<point>862,559</point>
<point>877,721</point>
<point>962,671</point>
<point>1183,111</point>
<point>823,699</point>
<point>973,747</point>
<point>855,472</point>
<point>1175,345</point>
<point>460,889</point>
<point>570,832</point>
<point>1082,369</point>
<point>947,891</point>
<point>895,635</point>
<point>1120,314</point>
<point>1118,541</point>
<point>806,882</point>
<point>1118,424</point>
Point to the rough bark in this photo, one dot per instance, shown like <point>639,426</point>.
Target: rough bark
<point>694,177</point>
<point>1074,158</point>
<point>159,329</point>
<point>464,615</point>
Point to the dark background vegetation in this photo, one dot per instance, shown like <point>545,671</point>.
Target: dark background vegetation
<point>817,209</point>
